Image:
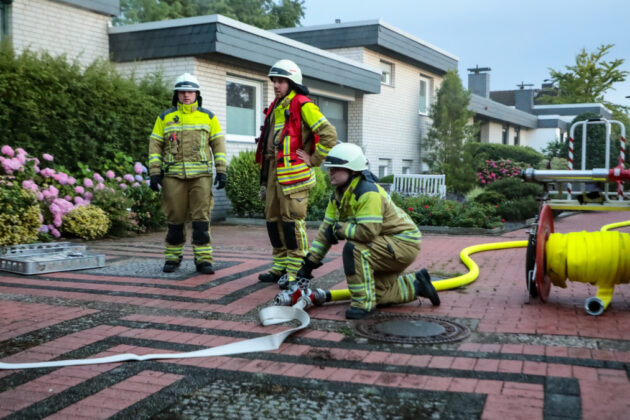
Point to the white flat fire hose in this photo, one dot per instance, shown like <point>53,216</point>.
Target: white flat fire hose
<point>268,316</point>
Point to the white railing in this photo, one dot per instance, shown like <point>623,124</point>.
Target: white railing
<point>413,184</point>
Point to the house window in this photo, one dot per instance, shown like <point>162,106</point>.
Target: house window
<point>517,136</point>
<point>504,134</point>
<point>425,96</point>
<point>336,112</point>
<point>406,166</point>
<point>387,73</point>
<point>384,167</point>
<point>244,108</point>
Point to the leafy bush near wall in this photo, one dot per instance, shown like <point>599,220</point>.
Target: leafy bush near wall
<point>53,106</point>
<point>20,216</point>
<point>87,222</point>
<point>243,185</point>
<point>493,151</point>
<point>434,211</point>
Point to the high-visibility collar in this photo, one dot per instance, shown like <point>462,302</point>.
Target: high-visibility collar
<point>187,109</point>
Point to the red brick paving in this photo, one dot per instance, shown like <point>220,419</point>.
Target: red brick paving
<point>496,302</point>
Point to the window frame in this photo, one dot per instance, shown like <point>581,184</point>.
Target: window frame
<point>258,111</point>
<point>505,133</point>
<point>391,72</point>
<point>406,164</point>
<point>427,98</point>
<point>388,167</point>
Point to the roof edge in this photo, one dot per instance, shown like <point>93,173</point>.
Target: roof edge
<point>216,18</point>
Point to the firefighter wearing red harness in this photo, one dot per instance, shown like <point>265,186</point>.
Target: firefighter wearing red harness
<point>295,138</point>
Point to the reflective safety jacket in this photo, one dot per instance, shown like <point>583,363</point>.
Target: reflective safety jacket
<point>362,213</point>
<point>184,141</point>
<point>295,123</point>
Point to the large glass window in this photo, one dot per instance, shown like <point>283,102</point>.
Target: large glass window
<point>336,112</point>
<point>425,96</point>
<point>244,108</point>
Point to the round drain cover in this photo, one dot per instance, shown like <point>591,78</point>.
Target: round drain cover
<point>406,328</point>
<point>395,328</point>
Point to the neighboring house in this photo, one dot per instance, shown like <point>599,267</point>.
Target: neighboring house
<point>76,28</point>
<point>389,126</point>
<point>511,117</point>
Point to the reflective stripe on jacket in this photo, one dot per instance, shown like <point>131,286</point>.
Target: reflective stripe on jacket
<point>184,142</point>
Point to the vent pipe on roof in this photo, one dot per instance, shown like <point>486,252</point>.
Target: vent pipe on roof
<point>479,81</point>
<point>337,20</point>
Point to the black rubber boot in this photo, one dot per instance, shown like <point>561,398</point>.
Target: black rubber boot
<point>424,287</point>
<point>171,265</point>
<point>357,313</point>
<point>205,267</point>
<point>270,277</point>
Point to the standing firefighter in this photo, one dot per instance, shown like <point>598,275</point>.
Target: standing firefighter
<point>295,138</point>
<point>381,239</point>
<point>185,138</point>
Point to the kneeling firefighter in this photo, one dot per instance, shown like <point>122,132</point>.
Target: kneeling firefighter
<point>381,239</point>
<point>184,141</point>
<point>295,138</point>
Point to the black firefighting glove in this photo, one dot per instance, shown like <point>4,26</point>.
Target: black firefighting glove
<point>330,234</point>
<point>307,268</point>
<point>156,182</point>
<point>220,180</point>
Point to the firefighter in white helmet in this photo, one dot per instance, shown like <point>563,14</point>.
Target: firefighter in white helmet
<point>381,239</point>
<point>295,138</point>
<point>185,140</point>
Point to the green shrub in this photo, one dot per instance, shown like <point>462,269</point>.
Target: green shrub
<point>518,210</point>
<point>476,215</point>
<point>387,179</point>
<point>490,198</point>
<point>86,222</point>
<point>20,215</point>
<point>146,211</point>
<point>514,188</point>
<point>77,115</point>
<point>319,196</point>
<point>473,194</point>
<point>117,207</point>
<point>493,151</point>
<point>243,185</point>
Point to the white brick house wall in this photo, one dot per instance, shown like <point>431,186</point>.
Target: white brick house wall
<point>387,125</point>
<point>58,28</point>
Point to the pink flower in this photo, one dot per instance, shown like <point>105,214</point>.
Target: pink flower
<point>110,174</point>
<point>79,201</point>
<point>7,150</point>
<point>129,178</point>
<point>135,184</point>
<point>137,168</point>
<point>47,172</point>
<point>47,157</point>
<point>30,185</point>
<point>88,183</point>
<point>88,195</point>
<point>98,177</point>
<point>68,198</point>
<point>123,186</point>
<point>118,179</point>
<point>54,231</point>
<point>61,178</point>
<point>99,186</point>
<point>71,180</point>
<point>20,151</point>
<point>79,189</point>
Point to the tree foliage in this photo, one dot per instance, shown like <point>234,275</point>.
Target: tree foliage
<point>447,151</point>
<point>265,14</point>
<point>588,80</point>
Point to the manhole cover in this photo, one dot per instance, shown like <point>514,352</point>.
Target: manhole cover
<point>411,329</point>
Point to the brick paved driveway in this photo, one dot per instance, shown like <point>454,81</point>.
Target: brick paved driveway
<point>522,360</point>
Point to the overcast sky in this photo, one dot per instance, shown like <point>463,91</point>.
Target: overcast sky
<point>519,40</point>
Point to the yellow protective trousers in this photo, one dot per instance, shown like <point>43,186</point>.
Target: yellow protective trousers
<point>285,216</point>
<point>374,271</point>
<point>183,200</point>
